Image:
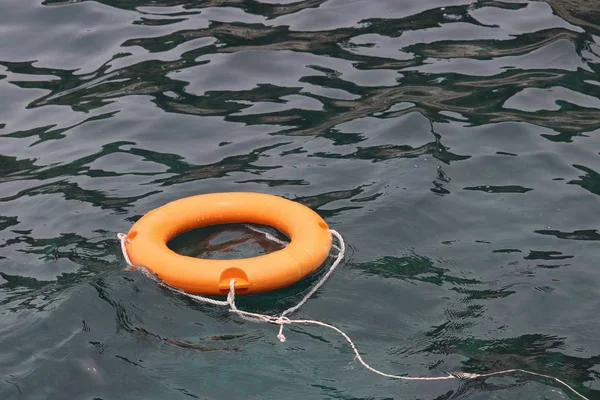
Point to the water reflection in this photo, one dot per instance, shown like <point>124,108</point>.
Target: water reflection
<point>413,267</point>
<point>466,131</point>
<point>429,99</point>
<point>218,242</point>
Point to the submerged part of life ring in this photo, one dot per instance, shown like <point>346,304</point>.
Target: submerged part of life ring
<point>310,243</point>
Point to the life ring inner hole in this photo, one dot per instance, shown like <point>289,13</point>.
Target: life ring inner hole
<point>228,241</point>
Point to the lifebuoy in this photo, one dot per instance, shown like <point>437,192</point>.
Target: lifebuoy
<point>310,243</point>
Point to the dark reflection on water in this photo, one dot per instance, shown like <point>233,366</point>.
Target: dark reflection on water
<point>227,241</point>
<point>453,143</point>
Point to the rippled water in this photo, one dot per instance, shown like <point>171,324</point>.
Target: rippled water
<point>454,144</point>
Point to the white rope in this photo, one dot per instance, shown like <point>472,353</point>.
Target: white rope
<point>267,235</point>
<point>274,239</point>
<point>123,238</point>
<point>282,319</point>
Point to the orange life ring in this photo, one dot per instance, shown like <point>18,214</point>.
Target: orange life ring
<point>310,243</point>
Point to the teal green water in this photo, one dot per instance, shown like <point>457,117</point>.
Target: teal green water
<point>454,144</point>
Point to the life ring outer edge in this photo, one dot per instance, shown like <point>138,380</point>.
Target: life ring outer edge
<point>309,247</point>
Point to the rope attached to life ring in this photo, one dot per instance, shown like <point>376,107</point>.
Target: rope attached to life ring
<point>283,320</point>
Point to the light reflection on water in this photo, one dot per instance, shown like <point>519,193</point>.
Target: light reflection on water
<point>454,144</point>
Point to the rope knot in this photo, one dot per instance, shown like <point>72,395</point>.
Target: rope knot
<point>282,321</point>
<point>281,337</point>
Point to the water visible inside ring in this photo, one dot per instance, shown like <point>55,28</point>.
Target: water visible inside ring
<point>227,241</point>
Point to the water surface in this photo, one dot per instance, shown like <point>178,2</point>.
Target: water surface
<point>455,145</point>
